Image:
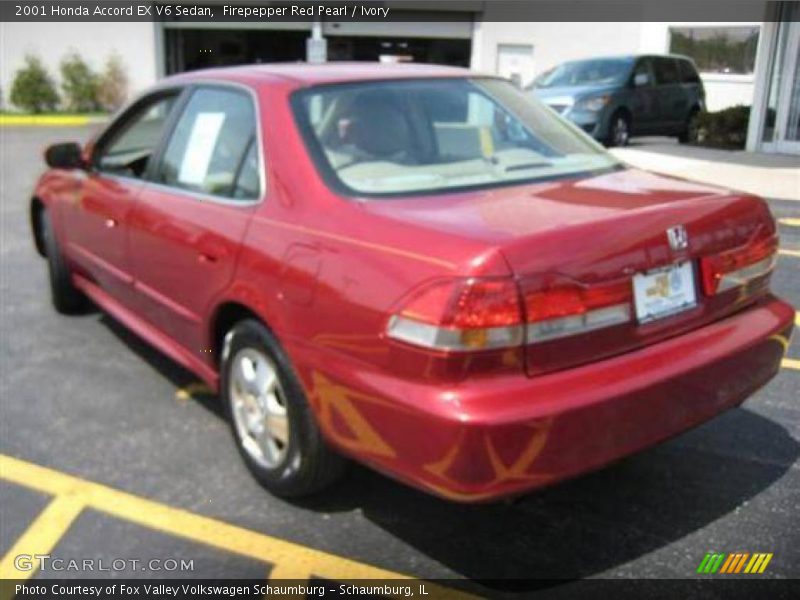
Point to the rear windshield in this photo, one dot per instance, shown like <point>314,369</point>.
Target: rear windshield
<point>392,138</point>
<point>601,71</point>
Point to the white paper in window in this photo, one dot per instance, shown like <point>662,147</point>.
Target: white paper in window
<point>200,147</point>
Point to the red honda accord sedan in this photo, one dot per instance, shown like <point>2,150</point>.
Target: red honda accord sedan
<point>415,267</point>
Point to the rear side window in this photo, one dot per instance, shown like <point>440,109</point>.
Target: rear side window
<point>688,72</point>
<point>214,145</point>
<point>666,70</point>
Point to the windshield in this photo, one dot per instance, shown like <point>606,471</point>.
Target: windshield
<point>605,71</point>
<point>399,137</point>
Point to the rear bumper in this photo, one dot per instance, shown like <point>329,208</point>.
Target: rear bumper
<point>485,439</point>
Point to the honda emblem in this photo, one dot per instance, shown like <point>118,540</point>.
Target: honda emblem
<point>678,238</point>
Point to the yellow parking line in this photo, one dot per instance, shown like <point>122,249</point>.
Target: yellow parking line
<point>43,534</point>
<point>789,252</point>
<point>790,222</point>
<point>44,120</point>
<point>288,558</point>
<point>790,363</point>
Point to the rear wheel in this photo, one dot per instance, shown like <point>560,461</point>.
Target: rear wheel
<point>619,129</point>
<point>689,132</point>
<point>272,423</point>
<point>66,298</point>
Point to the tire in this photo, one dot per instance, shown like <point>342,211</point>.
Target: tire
<point>689,132</point>
<point>273,425</point>
<point>66,298</point>
<point>619,129</point>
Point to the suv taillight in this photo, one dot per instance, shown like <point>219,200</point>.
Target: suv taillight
<point>738,267</point>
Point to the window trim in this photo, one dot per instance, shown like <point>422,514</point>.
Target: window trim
<point>192,87</point>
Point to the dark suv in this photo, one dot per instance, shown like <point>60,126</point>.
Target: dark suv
<point>615,98</point>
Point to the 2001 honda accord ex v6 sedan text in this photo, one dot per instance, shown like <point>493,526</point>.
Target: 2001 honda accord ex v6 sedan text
<point>416,267</point>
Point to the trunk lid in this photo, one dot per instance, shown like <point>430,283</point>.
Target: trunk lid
<point>599,230</point>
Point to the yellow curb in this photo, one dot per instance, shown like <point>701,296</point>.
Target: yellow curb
<point>44,120</point>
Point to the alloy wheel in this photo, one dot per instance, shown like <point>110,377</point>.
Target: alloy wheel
<point>259,407</point>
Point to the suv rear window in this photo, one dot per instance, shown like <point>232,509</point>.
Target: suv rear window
<point>688,72</point>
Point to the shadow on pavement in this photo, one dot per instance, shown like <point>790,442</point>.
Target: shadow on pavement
<point>165,366</point>
<point>588,525</point>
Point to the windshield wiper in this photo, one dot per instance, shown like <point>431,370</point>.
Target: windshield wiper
<point>533,165</point>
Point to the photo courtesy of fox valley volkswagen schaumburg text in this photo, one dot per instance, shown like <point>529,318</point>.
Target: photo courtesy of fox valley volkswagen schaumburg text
<point>442,299</point>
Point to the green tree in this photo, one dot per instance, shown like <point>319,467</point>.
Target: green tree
<point>112,88</point>
<point>33,89</point>
<point>79,84</point>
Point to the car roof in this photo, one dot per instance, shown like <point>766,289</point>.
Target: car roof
<point>631,57</point>
<point>305,74</point>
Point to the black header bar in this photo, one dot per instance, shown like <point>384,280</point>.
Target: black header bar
<point>389,10</point>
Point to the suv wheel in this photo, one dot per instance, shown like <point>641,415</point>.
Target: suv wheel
<point>272,423</point>
<point>619,131</point>
<point>689,132</point>
<point>66,298</point>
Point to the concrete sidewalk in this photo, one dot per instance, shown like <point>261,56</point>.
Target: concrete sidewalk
<point>768,175</point>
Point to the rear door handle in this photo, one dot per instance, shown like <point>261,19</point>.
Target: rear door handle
<point>111,223</point>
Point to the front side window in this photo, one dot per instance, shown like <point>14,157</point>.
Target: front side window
<point>210,149</point>
<point>127,148</point>
<point>714,49</point>
<point>399,137</point>
<point>643,73</point>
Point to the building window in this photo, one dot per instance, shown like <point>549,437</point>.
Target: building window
<point>728,50</point>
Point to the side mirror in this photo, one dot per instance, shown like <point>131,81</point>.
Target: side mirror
<point>641,79</point>
<point>64,156</point>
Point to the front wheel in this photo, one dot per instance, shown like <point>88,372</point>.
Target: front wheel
<point>66,298</point>
<point>619,130</point>
<point>272,423</point>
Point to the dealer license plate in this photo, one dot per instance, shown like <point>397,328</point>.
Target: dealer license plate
<point>664,292</point>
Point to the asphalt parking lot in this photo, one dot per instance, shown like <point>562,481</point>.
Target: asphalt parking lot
<point>140,464</point>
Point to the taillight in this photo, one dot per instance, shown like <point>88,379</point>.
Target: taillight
<point>484,314</point>
<point>462,314</point>
<point>571,309</point>
<point>738,267</point>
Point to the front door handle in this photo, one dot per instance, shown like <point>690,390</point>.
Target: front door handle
<point>111,223</point>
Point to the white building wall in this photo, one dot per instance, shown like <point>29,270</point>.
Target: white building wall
<point>553,43</point>
<point>133,42</point>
